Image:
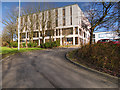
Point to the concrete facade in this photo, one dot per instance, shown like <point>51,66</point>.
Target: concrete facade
<point>69,28</point>
<point>105,35</point>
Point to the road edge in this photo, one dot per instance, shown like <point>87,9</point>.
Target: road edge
<point>107,76</point>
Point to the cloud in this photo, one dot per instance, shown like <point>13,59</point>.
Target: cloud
<point>6,7</point>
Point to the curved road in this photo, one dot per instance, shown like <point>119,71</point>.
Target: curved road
<point>48,69</point>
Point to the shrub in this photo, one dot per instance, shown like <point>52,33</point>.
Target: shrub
<point>35,44</point>
<point>42,45</point>
<point>105,56</point>
<point>30,44</point>
<point>47,45</point>
<point>50,44</point>
<point>24,44</point>
<point>13,44</point>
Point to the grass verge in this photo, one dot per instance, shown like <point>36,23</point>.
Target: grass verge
<point>6,51</point>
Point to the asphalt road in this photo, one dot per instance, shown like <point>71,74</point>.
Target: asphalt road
<point>48,69</point>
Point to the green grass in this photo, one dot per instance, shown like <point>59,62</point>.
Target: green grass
<point>5,51</point>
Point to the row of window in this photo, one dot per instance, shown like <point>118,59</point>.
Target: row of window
<point>65,32</point>
<point>49,13</point>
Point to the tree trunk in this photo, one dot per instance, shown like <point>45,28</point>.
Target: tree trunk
<point>91,35</point>
<point>12,36</point>
<point>26,43</point>
<point>32,37</point>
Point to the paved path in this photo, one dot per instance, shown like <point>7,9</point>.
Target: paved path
<point>48,69</point>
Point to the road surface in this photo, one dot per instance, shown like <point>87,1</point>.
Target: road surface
<point>48,69</point>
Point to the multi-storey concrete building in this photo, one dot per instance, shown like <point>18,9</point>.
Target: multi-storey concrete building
<point>70,26</point>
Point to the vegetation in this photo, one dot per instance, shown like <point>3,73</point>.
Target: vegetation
<point>8,51</point>
<point>50,44</point>
<point>103,57</point>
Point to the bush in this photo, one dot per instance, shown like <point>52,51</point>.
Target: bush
<point>105,56</point>
<point>47,45</point>
<point>35,44</point>
<point>42,45</point>
<point>24,44</point>
<point>50,44</point>
<point>13,44</point>
<point>30,44</point>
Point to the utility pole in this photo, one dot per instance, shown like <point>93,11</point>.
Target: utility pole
<point>19,27</point>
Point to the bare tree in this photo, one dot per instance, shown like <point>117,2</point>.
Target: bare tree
<point>46,21</point>
<point>101,15</point>
<point>10,22</point>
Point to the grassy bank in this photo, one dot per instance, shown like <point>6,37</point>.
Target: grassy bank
<point>102,57</point>
<point>5,51</point>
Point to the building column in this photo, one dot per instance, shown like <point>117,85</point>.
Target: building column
<point>73,35</point>
<point>58,32</point>
<point>60,36</point>
<point>39,39</point>
<point>26,34</point>
<point>78,37</point>
<point>55,35</point>
<point>44,38</point>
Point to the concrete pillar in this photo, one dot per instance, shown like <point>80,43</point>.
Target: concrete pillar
<point>55,35</point>
<point>26,35</point>
<point>39,39</point>
<point>73,35</point>
<point>58,32</point>
<point>60,36</point>
<point>44,38</point>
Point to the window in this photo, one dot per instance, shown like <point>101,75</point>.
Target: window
<point>63,21</point>
<point>63,12</point>
<point>35,34</point>
<point>48,24</point>
<point>56,12</point>
<point>56,22</point>
<point>84,34</point>
<point>41,33</point>
<point>49,32</point>
<point>67,31</point>
<point>79,31</point>
<point>23,35</point>
<point>37,25</point>
<point>93,35</point>
<point>63,16</point>
<point>76,40</point>
<point>59,32</point>
<point>43,15</point>
<point>27,34</point>
<point>56,32</point>
<point>76,30</point>
<point>71,20</point>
